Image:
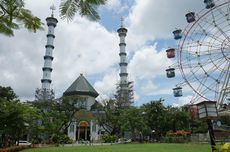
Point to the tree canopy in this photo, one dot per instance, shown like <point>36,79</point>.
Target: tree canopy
<point>13,14</point>
<point>68,8</point>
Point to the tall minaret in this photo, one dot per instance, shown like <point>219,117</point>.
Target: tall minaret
<point>123,91</point>
<point>48,58</point>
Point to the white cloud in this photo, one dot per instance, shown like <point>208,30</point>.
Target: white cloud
<point>157,19</point>
<point>148,88</point>
<point>116,6</point>
<point>182,101</point>
<point>107,86</point>
<point>113,4</point>
<point>147,63</point>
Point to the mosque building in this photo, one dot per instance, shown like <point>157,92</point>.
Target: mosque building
<point>84,125</point>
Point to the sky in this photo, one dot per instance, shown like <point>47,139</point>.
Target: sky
<point>92,48</point>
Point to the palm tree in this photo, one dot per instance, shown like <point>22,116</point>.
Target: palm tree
<point>13,15</point>
<point>68,8</point>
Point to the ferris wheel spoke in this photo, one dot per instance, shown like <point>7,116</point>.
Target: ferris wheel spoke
<point>228,12</point>
<point>218,62</point>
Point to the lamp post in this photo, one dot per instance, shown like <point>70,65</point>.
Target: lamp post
<point>207,111</point>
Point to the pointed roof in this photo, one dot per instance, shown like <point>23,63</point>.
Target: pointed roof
<point>81,87</point>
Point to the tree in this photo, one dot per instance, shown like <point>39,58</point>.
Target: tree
<point>155,117</point>
<point>68,8</point>
<point>56,116</point>
<point>177,119</point>
<point>132,120</point>
<point>7,93</point>
<point>13,14</point>
<point>16,117</point>
<point>109,120</point>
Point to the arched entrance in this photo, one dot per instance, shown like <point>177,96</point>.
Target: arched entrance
<point>83,131</point>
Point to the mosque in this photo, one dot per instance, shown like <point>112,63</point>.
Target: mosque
<point>84,125</point>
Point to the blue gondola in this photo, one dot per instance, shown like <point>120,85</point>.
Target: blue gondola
<point>170,53</point>
<point>177,34</point>
<point>170,72</point>
<point>177,92</point>
<point>190,17</point>
<point>209,3</point>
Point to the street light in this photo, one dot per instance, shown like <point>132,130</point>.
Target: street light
<point>207,111</point>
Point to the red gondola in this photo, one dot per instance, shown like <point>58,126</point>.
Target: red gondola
<point>170,53</point>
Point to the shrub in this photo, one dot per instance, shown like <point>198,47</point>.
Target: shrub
<point>109,138</point>
<point>61,139</point>
<point>182,139</point>
<point>180,136</point>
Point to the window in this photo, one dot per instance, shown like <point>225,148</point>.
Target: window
<point>71,127</point>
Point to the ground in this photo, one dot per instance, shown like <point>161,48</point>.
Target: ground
<point>128,148</point>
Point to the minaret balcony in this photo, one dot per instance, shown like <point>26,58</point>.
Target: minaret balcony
<point>47,69</point>
<point>51,21</point>
<point>122,30</point>
<point>123,64</point>
<point>122,44</point>
<point>123,74</point>
<point>48,57</point>
<point>49,46</point>
<point>46,80</point>
<point>122,54</point>
<point>50,35</point>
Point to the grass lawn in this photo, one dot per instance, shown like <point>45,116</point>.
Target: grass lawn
<point>128,148</point>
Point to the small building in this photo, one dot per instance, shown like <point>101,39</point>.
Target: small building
<point>84,125</point>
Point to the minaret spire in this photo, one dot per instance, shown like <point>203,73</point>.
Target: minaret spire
<point>124,85</point>
<point>122,21</point>
<point>53,8</point>
<point>46,92</point>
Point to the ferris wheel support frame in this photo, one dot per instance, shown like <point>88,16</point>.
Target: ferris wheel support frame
<point>224,88</point>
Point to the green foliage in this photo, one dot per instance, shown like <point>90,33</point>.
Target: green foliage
<point>107,138</point>
<point>68,8</point>
<point>178,139</point>
<point>155,117</point>
<point>61,139</point>
<point>55,118</point>
<point>14,14</point>
<point>16,118</point>
<point>7,93</point>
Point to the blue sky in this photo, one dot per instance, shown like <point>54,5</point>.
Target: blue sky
<point>92,48</point>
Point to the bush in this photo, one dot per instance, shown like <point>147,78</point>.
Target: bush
<point>182,139</point>
<point>180,136</point>
<point>109,138</point>
<point>61,139</point>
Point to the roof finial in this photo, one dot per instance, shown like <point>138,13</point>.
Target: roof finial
<point>122,21</point>
<point>52,7</point>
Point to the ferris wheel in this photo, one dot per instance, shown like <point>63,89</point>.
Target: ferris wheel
<point>203,53</point>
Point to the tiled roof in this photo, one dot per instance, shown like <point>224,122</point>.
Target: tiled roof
<point>81,87</point>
